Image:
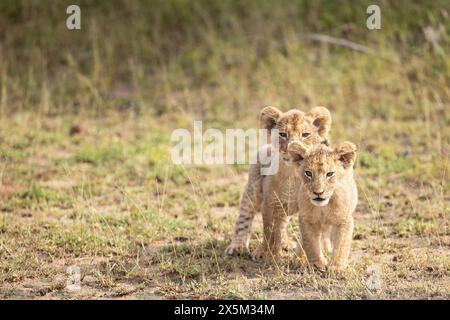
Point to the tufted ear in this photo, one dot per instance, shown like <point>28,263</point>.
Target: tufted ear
<point>346,154</point>
<point>269,117</point>
<point>298,150</point>
<point>321,119</point>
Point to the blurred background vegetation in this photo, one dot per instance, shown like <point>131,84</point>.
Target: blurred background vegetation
<point>224,59</point>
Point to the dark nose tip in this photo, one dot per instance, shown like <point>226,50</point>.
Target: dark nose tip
<point>318,193</point>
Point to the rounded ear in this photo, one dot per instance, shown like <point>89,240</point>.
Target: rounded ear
<point>321,119</point>
<point>346,154</point>
<point>297,150</point>
<point>269,117</point>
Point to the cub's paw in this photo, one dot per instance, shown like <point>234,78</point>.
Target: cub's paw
<point>236,248</point>
<point>263,252</point>
<point>319,265</point>
<point>259,253</point>
<point>288,244</point>
<point>338,271</point>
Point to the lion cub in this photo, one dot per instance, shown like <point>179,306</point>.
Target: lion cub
<point>274,195</point>
<point>327,198</point>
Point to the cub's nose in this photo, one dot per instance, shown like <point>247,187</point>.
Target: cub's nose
<point>318,193</point>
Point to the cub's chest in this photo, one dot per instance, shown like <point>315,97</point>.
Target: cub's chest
<point>326,215</point>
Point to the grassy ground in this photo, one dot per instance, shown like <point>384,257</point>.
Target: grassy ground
<point>86,118</point>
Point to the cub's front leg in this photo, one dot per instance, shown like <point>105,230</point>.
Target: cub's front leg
<point>341,241</point>
<point>286,242</point>
<point>273,223</point>
<point>250,204</point>
<point>326,240</point>
<point>311,242</point>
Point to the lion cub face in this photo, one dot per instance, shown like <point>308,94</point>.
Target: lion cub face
<point>322,168</point>
<point>309,128</point>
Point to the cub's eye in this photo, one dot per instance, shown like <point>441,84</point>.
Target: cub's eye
<point>330,174</point>
<point>283,135</point>
<point>308,174</point>
<point>305,134</point>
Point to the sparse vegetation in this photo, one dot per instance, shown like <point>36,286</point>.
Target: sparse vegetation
<point>85,123</point>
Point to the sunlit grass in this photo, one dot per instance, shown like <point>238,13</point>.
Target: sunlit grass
<point>108,197</point>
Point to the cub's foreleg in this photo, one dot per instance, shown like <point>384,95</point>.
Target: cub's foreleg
<point>286,242</point>
<point>311,243</point>
<point>341,239</point>
<point>273,221</point>
<point>326,240</point>
<point>250,204</point>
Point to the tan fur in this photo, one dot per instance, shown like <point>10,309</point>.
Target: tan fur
<point>273,195</point>
<point>332,215</point>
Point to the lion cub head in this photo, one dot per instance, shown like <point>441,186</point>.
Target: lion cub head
<point>310,128</point>
<point>322,168</point>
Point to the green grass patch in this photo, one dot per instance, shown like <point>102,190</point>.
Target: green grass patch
<point>416,227</point>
